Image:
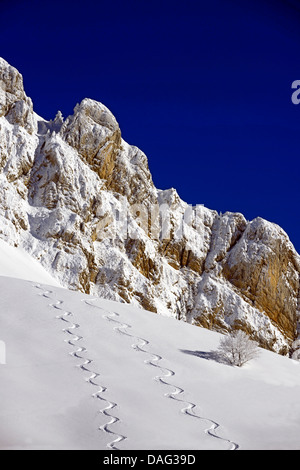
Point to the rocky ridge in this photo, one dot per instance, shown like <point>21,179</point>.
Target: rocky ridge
<point>81,200</point>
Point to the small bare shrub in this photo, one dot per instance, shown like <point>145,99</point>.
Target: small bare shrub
<point>237,348</point>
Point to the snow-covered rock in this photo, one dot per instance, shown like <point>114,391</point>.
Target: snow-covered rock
<point>81,201</point>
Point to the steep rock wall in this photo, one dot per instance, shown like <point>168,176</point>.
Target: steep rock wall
<point>82,201</point>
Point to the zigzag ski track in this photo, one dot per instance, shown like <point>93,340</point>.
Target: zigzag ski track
<point>189,408</point>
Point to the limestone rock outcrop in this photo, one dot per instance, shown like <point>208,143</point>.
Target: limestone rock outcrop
<point>81,200</point>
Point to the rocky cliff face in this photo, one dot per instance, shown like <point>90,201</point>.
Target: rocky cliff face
<point>82,201</point>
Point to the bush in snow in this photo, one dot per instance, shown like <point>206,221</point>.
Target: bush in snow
<point>237,348</point>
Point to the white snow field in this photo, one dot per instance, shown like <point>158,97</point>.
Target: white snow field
<point>87,373</point>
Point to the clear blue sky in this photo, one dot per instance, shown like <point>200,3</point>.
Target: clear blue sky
<point>202,87</point>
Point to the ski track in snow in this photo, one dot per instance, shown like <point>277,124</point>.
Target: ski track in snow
<point>190,407</point>
<point>85,366</point>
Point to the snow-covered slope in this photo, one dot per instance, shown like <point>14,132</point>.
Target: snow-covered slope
<point>86,373</point>
<point>17,263</point>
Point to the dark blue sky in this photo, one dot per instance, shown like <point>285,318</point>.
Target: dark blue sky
<point>202,87</point>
